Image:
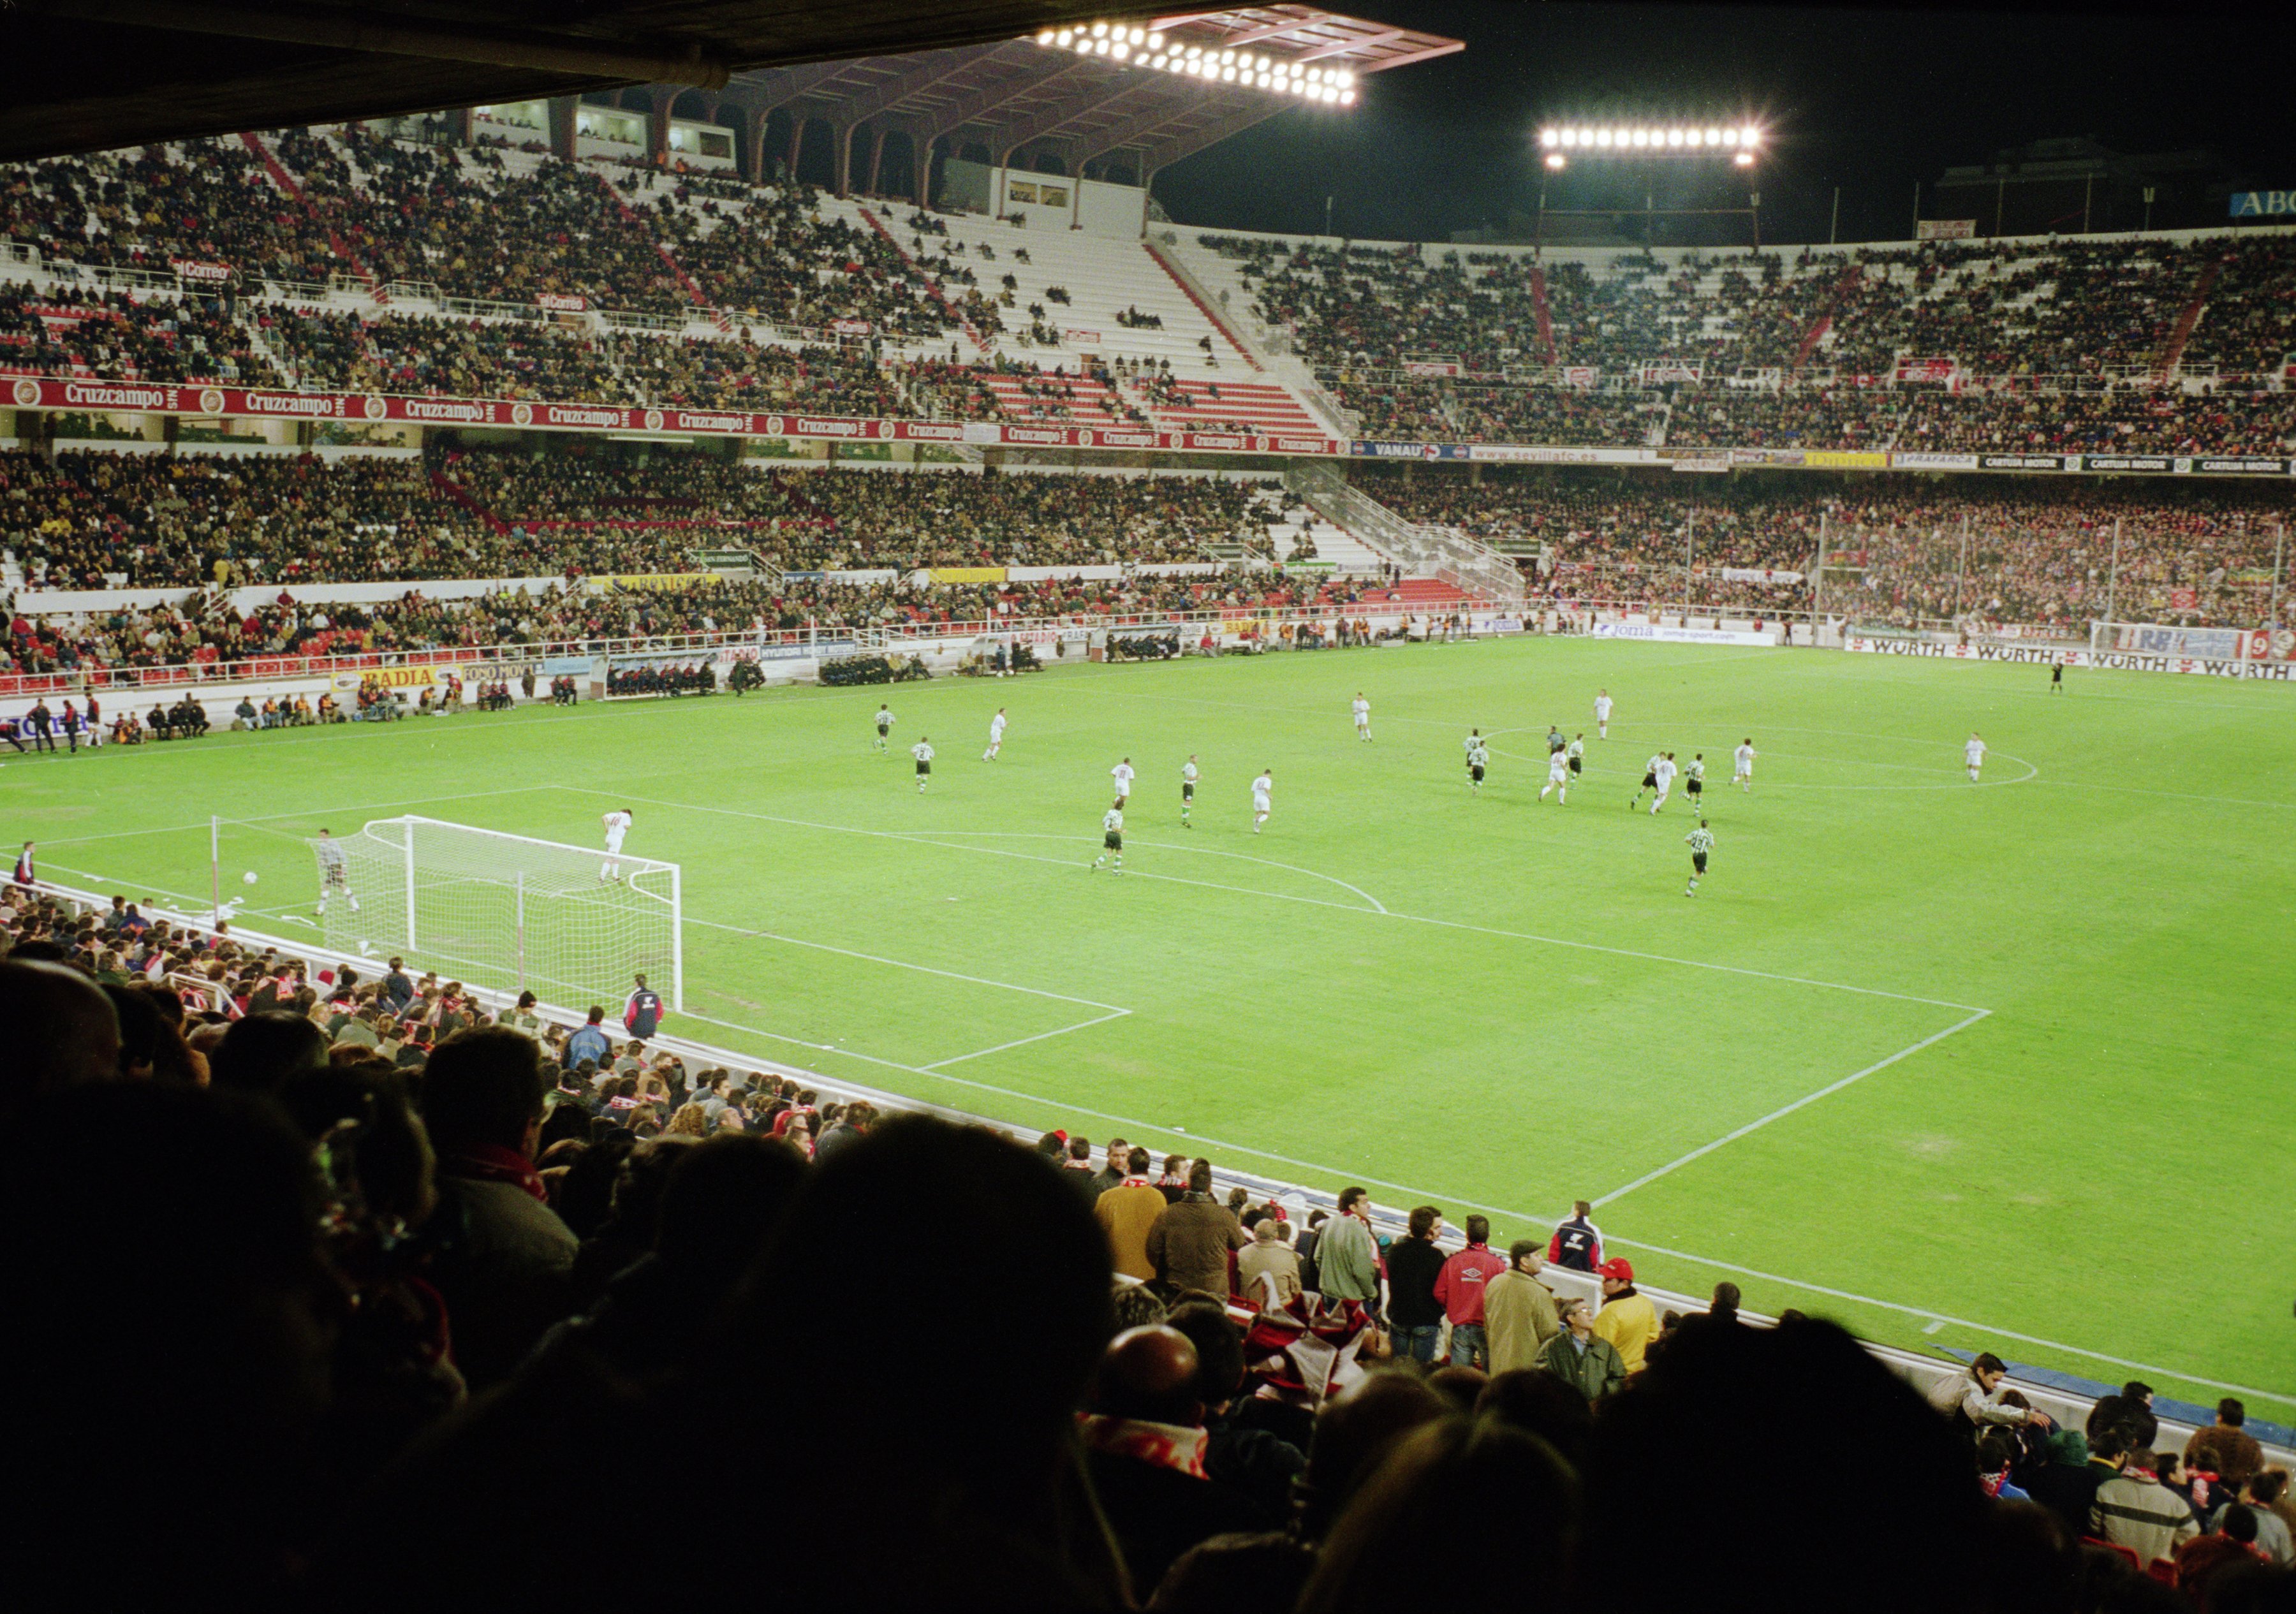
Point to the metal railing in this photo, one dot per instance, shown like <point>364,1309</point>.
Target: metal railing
<point>1464,562</point>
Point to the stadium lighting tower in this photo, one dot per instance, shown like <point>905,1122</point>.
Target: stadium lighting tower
<point>1564,144</point>
<point>1738,142</point>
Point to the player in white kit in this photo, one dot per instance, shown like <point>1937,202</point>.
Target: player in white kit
<point>1973,755</point>
<point>1363,717</point>
<point>922,751</point>
<point>1187,790</point>
<point>1479,758</point>
<point>1663,771</point>
<point>618,824</point>
<point>1602,714</point>
<point>996,736</point>
<point>1262,790</point>
<point>1111,838</point>
<point>1122,773</point>
<point>1558,777</point>
<point>884,721</point>
<point>1743,771</point>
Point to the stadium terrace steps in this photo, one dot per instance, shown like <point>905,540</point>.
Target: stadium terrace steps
<point>1180,277</point>
<point>1256,406</point>
<point>2172,351</point>
<point>1083,401</point>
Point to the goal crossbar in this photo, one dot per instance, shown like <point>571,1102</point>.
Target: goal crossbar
<point>505,910</point>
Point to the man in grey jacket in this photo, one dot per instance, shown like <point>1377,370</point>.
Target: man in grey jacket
<point>1347,1255</point>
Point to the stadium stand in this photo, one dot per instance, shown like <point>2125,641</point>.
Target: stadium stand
<point>2037,553</point>
<point>339,258</point>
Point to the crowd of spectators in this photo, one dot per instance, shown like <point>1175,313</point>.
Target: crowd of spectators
<point>112,336</point>
<point>2038,551</point>
<point>2054,347</point>
<point>351,1288</point>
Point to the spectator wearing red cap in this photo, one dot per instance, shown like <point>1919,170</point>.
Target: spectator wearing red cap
<point>1627,1320</point>
<point>1459,1286</point>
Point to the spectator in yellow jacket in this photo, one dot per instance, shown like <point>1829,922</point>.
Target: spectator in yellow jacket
<point>1627,1320</point>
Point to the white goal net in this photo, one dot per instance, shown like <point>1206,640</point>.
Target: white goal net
<point>505,911</point>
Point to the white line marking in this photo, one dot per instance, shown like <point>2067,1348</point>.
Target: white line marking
<point>899,963</point>
<point>1020,1042</point>
<point>1179,846</point>
<point>2134,790</point>
<point>1783,1111</point>
<point>924,837</point>
<point>1197,1140</point>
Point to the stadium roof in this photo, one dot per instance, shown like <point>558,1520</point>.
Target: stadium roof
<point>1021,98</point>
<point>85,75</point>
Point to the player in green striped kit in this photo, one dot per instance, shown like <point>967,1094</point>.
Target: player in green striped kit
<point>1701,841</point>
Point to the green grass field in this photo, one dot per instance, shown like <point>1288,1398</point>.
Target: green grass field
<point>2000,1066</point>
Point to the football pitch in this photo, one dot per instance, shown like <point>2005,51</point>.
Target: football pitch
<point>2000,1066</point>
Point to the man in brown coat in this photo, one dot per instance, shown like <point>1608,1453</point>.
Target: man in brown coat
<point>1190,1242</point>
<point>1126,1213</point>
<point>2225,1449</point>
<point>1518,1311</point>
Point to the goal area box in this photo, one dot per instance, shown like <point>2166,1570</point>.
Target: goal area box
<point>572,924</point>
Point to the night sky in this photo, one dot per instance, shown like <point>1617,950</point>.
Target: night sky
<point>1869,101</point>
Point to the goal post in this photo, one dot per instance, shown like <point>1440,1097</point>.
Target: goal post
<point>510,912</point>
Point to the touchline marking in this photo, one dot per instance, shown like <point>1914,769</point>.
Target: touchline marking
<point>1023,1042</point>
<point>924,837</point>
<point>1196,1140</point>
<point>1783,1111</point>
<point>899,964</point>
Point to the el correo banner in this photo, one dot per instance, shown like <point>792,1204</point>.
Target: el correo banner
<point>1945,229</point>
<point>1845,459</point>
<point>1654,633</point>
<point>968,574</point>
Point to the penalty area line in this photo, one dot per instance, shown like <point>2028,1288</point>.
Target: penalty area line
<point>1783,1111</point>
<point>1199,1141</point>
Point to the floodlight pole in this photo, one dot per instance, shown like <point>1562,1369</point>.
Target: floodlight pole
<point>2279,569</point>
<point>1817,592</point>
<point>1961,576</point>
<point>1689,552</point>
<point>1833,230</point>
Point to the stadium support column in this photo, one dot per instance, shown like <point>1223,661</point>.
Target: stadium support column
<point>2113,575</point>
<point>215,870</point>
<point>564,110</point>
<point>520,890</point>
